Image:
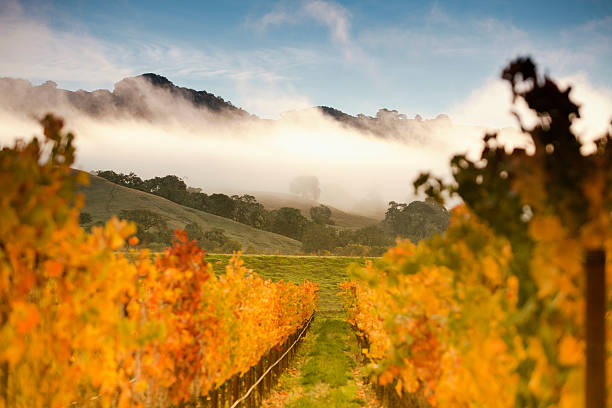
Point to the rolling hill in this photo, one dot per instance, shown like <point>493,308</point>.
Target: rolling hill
<point>104,199</point>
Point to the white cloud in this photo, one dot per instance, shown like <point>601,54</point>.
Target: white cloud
<point>32,49</point>
<point>270,19</point>
<point>335,17</point>
<point>490,105</point>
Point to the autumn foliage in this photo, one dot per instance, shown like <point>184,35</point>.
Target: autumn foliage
<point>82,323</point>
<point>438,315</point>
<point>498,302</point>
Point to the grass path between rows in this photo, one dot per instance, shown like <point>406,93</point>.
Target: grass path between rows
<point>326,371</point>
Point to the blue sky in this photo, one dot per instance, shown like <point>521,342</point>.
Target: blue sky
<point>358,56</point>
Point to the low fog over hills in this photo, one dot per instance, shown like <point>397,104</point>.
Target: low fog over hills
<point>151,126</point>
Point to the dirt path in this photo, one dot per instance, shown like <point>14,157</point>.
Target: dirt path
<point>325,372</point>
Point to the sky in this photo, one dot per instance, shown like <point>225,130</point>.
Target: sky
<point>358,56</point>
<point>420,58</point>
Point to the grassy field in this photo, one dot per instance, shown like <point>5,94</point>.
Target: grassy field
<point>327,271</point>
<point>103,199</point>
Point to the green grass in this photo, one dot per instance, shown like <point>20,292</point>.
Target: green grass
<point>329,361</point>
<point>326,376</point>
<point>104,199</point>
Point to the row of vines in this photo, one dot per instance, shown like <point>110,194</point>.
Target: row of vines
<point>498,311</point>
<point>83,324</point>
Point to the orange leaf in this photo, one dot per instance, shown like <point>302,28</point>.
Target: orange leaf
<point>53,268</point>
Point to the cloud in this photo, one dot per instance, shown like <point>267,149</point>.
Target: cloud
<point>335,17</point>
<point>31,48</point>
<point>223,155</point>
<point>490,105</point>
<point>270,19</point>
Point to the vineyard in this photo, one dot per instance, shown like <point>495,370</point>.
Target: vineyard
<point>85,325</point>
<point>508,307</point>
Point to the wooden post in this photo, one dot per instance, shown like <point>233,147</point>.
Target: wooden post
<point>261,385</point>
<point>595,265</point>
<point>267,379</point>
<point>235,389</point>
<point>275,370</point>
<point>226,394</point>
<point>214,398</point>
<point>249,384</point>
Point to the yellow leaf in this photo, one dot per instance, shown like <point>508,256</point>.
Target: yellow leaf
<point>571,351</point>
<point>398,387</point>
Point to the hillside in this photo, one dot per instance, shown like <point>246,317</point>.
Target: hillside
<point>103,199</point>
<point>274,201</point>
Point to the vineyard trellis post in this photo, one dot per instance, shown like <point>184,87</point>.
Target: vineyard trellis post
<point>595,265</point>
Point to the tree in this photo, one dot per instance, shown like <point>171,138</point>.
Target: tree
<point>287,221</point>
<point>248,211</point>
<point>319,237</point>
<point>372,236</point>
<point>194,231</point>
<point>171,187</point>
<point>84,218</point>
<point>128,180</point>
<point>554,200</point>
<point>220,204</point>
<point>417,220</point>
<point>306,186</point>
<point>151,226</point>
<point>321,215</point>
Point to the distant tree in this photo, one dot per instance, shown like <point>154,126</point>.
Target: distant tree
<point>371,236</point>
<point>287,221</point>
<point>321,215</point>
<point>171,187</point>
<point>215,240</point>
<point>220,204</point>
<point>248,211</point>
<point>151,226</point>
<point>128,180</point>
<point>194,231</point>
<point>306,186</point>
<point>318,237</point>
<point>417,220</point>
<point>84,218</point>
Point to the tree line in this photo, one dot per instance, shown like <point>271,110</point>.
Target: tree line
<point>318,234</point>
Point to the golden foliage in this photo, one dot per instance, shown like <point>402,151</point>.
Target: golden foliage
<point>81,323</point>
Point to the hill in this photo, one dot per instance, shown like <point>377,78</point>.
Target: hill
<point>104,199</point>
<point>149,96</point>
<point>274,201</point>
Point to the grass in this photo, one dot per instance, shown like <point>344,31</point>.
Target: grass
<point>326,376</point>
<point>328,356</point>
<point>104,199</point>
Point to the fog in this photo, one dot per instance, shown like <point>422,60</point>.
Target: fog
<point>153,132</point>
